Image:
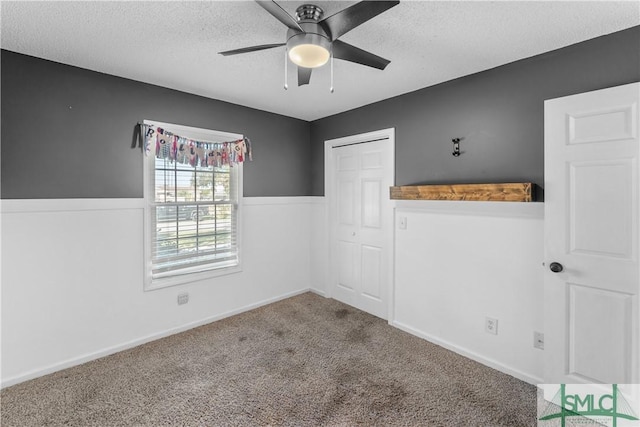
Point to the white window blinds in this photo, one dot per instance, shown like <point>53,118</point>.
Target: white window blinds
<point>192,217</point>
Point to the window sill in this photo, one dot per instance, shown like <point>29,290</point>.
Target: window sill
<point>166,282</point>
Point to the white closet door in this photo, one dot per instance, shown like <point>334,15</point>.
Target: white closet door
<point>362,221</point>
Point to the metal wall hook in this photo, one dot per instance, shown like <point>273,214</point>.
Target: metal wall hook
<point>456,147</point>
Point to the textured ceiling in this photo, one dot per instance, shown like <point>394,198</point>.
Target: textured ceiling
<point>175,44</point>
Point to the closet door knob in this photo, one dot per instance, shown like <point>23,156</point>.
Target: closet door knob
<point>556,267</point>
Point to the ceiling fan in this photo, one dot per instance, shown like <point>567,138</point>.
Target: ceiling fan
<point>312,40</point>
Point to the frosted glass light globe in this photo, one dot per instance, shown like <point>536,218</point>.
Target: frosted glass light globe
<point>309,55</point>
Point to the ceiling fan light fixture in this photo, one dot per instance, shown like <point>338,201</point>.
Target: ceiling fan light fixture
<point>309,50</point>
<point>309,55</point>
<point>313,40</point>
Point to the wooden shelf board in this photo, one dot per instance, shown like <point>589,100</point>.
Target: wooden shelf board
<point>507,192</point>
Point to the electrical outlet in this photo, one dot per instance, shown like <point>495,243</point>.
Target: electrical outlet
<point>538,340</point>
<point>491,325</point>
<point>183,298</point>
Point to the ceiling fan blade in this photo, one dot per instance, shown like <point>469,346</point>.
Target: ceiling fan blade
<point>349,18</point>
<point>280,14</point>
<point>347,52</point>
<point>251,49</point>
<point>304,75</point>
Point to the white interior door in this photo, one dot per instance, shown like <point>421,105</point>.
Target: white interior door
<point>591,235</point>
<point>361,218</point>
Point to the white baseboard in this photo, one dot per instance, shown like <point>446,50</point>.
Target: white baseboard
<point>318,292</point>
<point>134,343</point>
<point>469,354</point>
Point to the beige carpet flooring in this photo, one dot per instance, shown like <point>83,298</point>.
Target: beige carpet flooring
<point>304,361</point>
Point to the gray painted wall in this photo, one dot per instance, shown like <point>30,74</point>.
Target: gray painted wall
<point>498,113</point>
<point>67,133</point>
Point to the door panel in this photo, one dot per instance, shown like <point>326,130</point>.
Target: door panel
<point>604,124</point>
<point>372,160</point>
<point>591,228</point>
<point>371,272</point>
<point>595,334</point>
<point>371,203</point>
<point>346,270</point>
<point>362,245</point>
<point>601,198</point>
<point>346,161</point>
<point>346,202</point>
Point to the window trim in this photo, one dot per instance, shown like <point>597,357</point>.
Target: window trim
<point>149,193</point>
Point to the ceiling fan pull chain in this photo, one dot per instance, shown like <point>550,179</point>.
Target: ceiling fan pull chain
<point>331,88</point>
<point>286,51</point>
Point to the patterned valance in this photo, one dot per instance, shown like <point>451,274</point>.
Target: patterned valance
<point>168,145</point>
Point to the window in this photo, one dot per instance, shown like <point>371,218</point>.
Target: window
<point>192,215</point>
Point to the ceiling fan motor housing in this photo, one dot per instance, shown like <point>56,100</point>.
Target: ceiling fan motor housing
<point>314,36</point>
<point>309,12</point>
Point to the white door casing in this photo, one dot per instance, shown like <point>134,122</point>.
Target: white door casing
<point>592,203</point>
<point>359,172</point>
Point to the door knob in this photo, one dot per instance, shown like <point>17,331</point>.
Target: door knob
<point>556,267</point>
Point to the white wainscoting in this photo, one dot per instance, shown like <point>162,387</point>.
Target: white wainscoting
<point>72,278</point>
<point>460,262</point>
<point>319,246</point>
